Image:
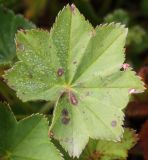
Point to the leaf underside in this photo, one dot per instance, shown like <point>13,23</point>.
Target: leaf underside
<point>78,67</point>
<point>9,24</point>
<point>25,140</point>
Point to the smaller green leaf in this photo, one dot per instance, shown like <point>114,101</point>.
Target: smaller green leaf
<point>119,15</point>
<point>25,140</point>
<point>107,150</point>
<point>9,3</point>
<point>9,24</point>
<point>137,39</point>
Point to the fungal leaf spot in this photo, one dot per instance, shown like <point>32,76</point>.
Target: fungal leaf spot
<point>60,72</point>
<point>73,99</point>
<point>64,112</point>
<point>114,123</point>
<point>65,120</point>
<point>72,7</point>
<point>74,62</point>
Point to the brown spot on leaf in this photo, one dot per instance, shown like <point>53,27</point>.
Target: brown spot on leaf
<point>74,62</point>
<point>65,120</point>
<point>114,123</point>
<point>73,99</point>
<point>64,112</point>
<point>50,134</point>
<point>60,72</point>
<point>72,7</point>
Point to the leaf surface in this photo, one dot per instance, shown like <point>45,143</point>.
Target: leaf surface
<point>105,150</point>
<point>77,67</point>
<point>26,139</point>
<point>10,23</point>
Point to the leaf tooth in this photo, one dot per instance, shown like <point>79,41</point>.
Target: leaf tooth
<point>84,19</point>
<point>39,115</point>
<point>113,24</point>
<point>140,79</point>
<point>6,105</point>
<point>118,138</point>
<point>71,154</point>
<point>43,117</point>
<point>61,11</point>
<point>134,134</point>
<point>82,148</point>
<point>56,19</point>
<point>118,25</point>
<point>72,7</point>
<point>104,25</point>
<point>6,74</point>
<point>28,31</point>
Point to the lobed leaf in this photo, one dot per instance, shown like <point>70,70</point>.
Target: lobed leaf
<point>77,67</point>
<point>26,139</point>
<point>104,150</point>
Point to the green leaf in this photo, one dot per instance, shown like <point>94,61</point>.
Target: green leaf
<point>144,7</point>
<point>119,15</point>
<point>26,139</point>
<point>77,67</point>
<point>137,39</point>
<point>10,23</point>
<point>105,150</point>
<point>9,3</point>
